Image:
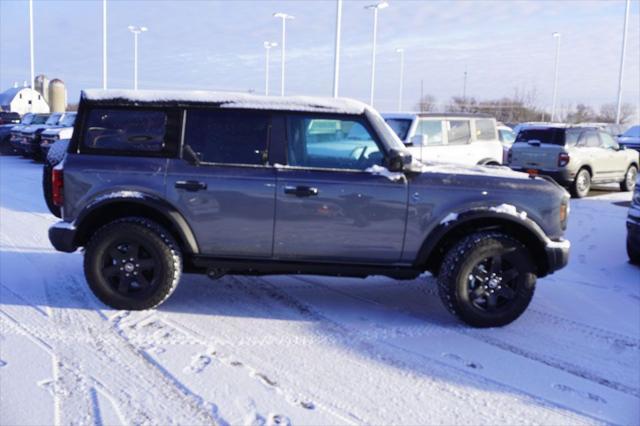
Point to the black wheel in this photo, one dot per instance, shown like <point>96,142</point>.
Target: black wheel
<point>581,184</point>
<point>132,263</point>
<point>487,279</point>
<point>629,182</point>
<point>46,190</point>
<point>632,252</point>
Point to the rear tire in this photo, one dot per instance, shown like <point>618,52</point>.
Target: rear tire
<point>581,184</point>
<point>629,182</point>
<point>487,279</point>
<point>132,264</point>
<point>634,255</point>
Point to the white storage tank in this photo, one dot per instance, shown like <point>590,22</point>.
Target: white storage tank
<point>42,86</point>
<point>57,95</point>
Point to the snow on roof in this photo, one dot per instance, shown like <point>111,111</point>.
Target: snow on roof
<point>230,100</point>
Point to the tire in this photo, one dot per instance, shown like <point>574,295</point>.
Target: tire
<point>46,190</point>
<point>156,259</point>
<point>633,253</point>
<point>469,280</point>
<point>581,184</point>
<point>629,182</point>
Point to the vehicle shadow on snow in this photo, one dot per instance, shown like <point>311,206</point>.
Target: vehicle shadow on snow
<point>23,194</point>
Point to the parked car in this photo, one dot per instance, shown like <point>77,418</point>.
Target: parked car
<point>64,130</point>
<point>631,138</point>
<point>8,123</point>
<point>154,183</point>
<point>31,135</point>
<point>17,133</point>
<point>506,136</point>
<point>9,118</point>
<point>451,138</point>
<point>576,157</point>
<point>8,132</point>
<point>633,227</point>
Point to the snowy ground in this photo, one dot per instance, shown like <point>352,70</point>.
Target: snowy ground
<point>310,350</point>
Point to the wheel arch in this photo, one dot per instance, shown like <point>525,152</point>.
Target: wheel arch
<point>439,241</point>
<point>100,213</point>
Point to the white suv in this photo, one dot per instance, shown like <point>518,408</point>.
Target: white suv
<point>451,138</point>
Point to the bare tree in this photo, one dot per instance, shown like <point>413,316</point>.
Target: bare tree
<point>426,104</point>
<point>608,113</point>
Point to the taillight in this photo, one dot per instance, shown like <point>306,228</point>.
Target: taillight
<point>563,159</point>
<point>57,186</point>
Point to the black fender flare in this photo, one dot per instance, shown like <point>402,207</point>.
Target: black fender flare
<point>148,201</point>
<point>485,218</point>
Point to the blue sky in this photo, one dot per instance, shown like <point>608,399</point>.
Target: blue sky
<point>503,44</point>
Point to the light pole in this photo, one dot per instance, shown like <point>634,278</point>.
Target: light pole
<point>31,55</point>
<point>104,44</point>
<point>376,7</point>
<point>555,77</point>
<point>136,31</point>
<point>336,52</point>
<point>267,47</point>
<point>284,18</point>
<point>401,52</point>
<point>624,48</point>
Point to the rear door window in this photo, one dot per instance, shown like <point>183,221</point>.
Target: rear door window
<point>228,137</point>
<point>485,130</point>
<point>458,132</point>
<point>131,131</point>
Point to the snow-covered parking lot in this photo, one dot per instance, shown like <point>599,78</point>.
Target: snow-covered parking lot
<point>312,350</point>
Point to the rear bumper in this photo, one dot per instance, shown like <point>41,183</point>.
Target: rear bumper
<point>563,177</point>
<point>62,236</point>
<point>557,254</point>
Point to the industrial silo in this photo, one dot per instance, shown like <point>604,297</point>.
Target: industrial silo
<point>42,86</point>
<point>57,96</point>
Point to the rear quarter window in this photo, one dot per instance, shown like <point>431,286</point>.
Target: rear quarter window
<point>130,131</point>
<point>485,130</point>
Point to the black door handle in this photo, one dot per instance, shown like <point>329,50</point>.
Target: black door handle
<point>301,191</point>
<point>191,185</point>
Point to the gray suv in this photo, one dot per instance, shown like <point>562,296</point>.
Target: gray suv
<point>159,183</point>
<point>576,157</point>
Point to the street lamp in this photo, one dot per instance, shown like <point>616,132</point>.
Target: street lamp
<point>555,78</point>
<point>104,44</point>
<point>401,52</point>
<point>284,18</point>
<point>378,6</point>
<point>336,52</point>
<point>624,48</point>
<point>31,55</point>
<point>136,31</point>
<point>267,47</point>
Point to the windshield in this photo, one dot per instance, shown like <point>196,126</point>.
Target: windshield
<point>633,132</point>
<point>400,126</point>
<point>27,119</point>
<point>53,119</point>
<point>40,119</point>
<point>68,120</point>
<point>552,136</point>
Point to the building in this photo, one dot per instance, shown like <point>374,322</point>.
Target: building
<point>23,100</point>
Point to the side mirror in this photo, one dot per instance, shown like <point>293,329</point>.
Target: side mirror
<point>397,161</point>
<point>418,140</point>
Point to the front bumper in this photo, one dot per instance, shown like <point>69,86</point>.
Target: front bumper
<point>62,236</point>
<point>557,254</point>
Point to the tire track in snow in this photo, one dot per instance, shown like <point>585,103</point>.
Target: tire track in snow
<point>595,412</point>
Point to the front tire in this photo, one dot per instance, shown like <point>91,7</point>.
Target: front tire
<point>487,279</point>
<point>581,184</point>
<point>629,182</point>
<point>132,264</point>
